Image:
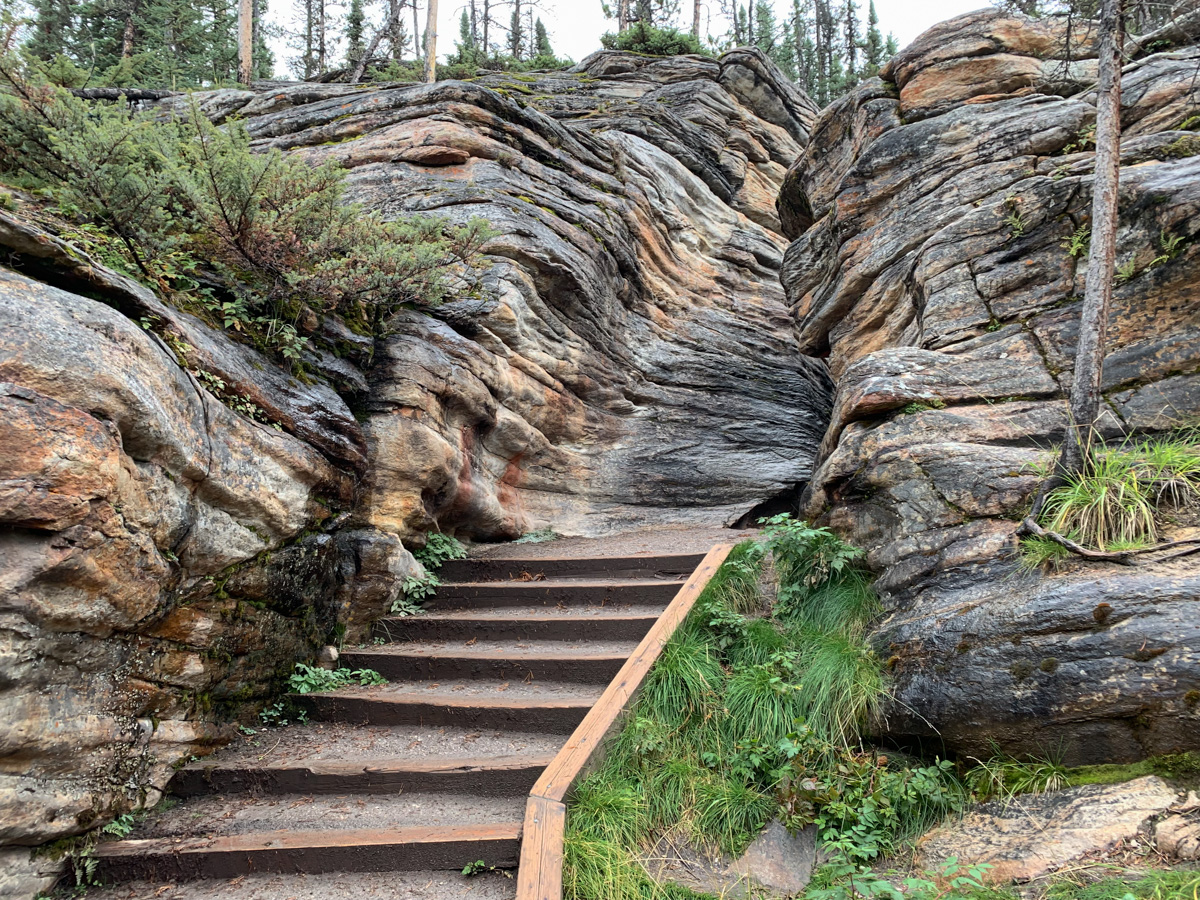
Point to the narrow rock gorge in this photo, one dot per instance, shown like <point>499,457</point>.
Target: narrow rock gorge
<point>704,300</point>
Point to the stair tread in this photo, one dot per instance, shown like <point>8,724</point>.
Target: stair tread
<point>476,692</point>
<point>502,649</point>
<point>247,816</point>
<point>395,885</point>
<point>517,584</point>
<point>612,610</point>
<point>319,742</point>
<point>385,765</point>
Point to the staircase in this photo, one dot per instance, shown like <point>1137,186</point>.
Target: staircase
<point>430,771</point>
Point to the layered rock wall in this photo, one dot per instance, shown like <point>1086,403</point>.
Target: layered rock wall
<point>934,212</point>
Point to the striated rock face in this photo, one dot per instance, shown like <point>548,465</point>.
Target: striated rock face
<point>632,360</point>
<point>933,213</point>
<point>166,557</point>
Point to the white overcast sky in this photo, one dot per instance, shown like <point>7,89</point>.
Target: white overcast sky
<point>575,26</point>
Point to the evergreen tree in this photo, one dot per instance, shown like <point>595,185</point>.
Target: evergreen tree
<point>516,35</point>
<point>541,41</point>
<point>355,32</point>
<point>873,49</point>
<point>852,26</point>
<point>53,30</point>
<point>765,28</point>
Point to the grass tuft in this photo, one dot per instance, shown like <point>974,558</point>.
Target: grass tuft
<point>1004,778</point>
<point>730,813</point>
<point>683,681</point>
<point>610,808</point>
<point>762,703</point>
<point>843,684</point>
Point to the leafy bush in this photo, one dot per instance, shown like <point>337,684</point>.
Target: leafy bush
<point>653,41</point>
<point>312,680</point>
<point>279,243</point>
<point>439,548</point>
<point>414,591</point>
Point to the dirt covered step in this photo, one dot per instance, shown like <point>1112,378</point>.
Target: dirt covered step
<point>494,777</point>
<point>224,835</point>
<point>588,662</point>
<point>610,622</point>
<point>550,707</point>
<point>423,884</point>
<point>564,592</point>
<point>670,566</point>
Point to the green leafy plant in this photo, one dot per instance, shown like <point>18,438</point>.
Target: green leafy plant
<point>1154,885</point>
<point>281,714</point>
<point>1127,271</point>
<point>1170,246</point>
<point>1078,243</point>
<point>311,679</point>
<point>1039,553</point>
<point>121,826</point>
<point>1014,218</point>
<point>653,41</point>
<point>541,536</point>
<point>439,548</point>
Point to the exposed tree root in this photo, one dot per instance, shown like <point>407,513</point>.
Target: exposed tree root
<point>1031,528</point>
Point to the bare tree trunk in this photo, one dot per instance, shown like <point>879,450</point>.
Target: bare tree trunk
<point>245,41</point>
<point>431,43</point>
<point>127,35</point>
<point>696,19</point>
<point>1097,297</point>
<point>487,20</point>
<point>622,15</point>
<point>416,31</point>
<point>388,27</point>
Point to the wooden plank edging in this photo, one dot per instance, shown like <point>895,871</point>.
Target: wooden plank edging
<point>540,874</point>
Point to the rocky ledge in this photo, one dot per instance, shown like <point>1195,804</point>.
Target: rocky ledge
<point>933,214</point>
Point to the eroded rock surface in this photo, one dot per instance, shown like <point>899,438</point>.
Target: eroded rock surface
<point>1033,835</point>
<point>940,221</point>
<point>631,360</point>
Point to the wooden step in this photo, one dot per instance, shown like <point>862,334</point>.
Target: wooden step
<point>494,777</point>
<point>673,566</point>
<point>551,625</point>
<point>551,593</point>
<point>548,715</point>
<point>343,850</point>
<point>545,662</point>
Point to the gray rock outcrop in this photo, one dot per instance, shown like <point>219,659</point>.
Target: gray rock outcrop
<point>934,212</point>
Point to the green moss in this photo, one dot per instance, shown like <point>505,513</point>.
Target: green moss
<point>1185,146</point>
<point>1176,766</point>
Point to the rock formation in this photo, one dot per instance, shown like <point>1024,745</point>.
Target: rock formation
<point>933,214</point>
<point>181,519</point>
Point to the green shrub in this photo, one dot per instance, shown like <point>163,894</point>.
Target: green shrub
<point>312,680</point>
<point>763,702</point>
<point>171,200</point>
<point>653,41</point>
<point>439,548</point>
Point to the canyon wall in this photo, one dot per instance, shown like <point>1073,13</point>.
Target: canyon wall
<point>181,518</point>
<point>933,214</point>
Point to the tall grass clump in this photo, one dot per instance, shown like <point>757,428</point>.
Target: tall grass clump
<point>1118,502</point>
<point>683,682</point>
<point>843,684</point>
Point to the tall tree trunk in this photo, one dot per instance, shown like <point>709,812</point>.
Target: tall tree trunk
<point>416,32</point>
<point>1097,297</point>
<point>431,43</point>
<point>321,63</point>
<point>245,41</point>
<point>128,34</point>
<point>622,14</point>
<point>487,21</point>
<point>696,19</point>
<point>388,27</point>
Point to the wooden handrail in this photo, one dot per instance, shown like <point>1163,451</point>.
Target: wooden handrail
<point>540,874</point>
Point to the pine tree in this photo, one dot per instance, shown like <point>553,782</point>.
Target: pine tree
<point>764,27</point>
<point>53,30</point>
<point>516,34</point>
<point>541,41</point>
<point>355,32</point>
<point>873,49</point>
<point>852,27</point>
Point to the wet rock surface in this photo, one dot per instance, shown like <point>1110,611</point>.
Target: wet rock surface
<point>934,214</point>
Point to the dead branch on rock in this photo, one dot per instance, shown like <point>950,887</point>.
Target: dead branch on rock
<point>1030,528</point>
